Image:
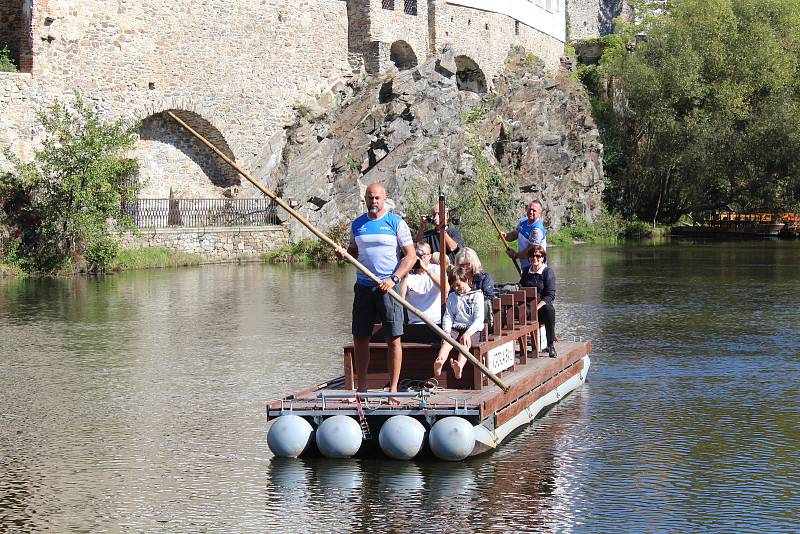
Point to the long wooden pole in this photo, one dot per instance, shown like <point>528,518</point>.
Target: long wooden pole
<point>456,345</point>
<point>443,257</point>
<point>499,232</point>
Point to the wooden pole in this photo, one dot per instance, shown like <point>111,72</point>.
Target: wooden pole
<point>443,258</point>
<point>499,232</point>
<point>456,345</point>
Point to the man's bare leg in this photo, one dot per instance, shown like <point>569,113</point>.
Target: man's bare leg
<point>361,350</point>
<point>394,360</point>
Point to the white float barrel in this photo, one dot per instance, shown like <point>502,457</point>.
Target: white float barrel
<point>289,436</point>
<point>339,437</point>
<point>401,437</point>
<point>452,438</point>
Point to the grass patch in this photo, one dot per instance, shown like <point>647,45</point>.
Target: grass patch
<point>11,270</point>
<point>610,228</point>
<point>309,250</point>
<point>153,258</point>
<point>306,250</point>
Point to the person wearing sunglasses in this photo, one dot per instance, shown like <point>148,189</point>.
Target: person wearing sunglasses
<point>479,279</point>
<point>543,278</point>
<point>529,231</point>
<point>421,286</point>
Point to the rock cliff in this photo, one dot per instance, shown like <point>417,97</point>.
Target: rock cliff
<point>411,131</point>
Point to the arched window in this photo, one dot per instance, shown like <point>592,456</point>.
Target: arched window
<point>402,55</point>
<point>171,159</point>
<point>15,34</point>
<point>469,75</point>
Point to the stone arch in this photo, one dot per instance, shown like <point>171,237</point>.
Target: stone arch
<point>172,159</point>
<point>15,31</point>
<point>469,75</point>
<point>402,55</point>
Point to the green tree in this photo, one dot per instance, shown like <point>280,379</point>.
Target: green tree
<point>705,110</point>
<point>7,63</point>
<point>66,202</point>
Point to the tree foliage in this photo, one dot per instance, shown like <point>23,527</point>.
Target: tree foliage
<point>7,63</point>
<point>704,110</point>
<point>498,190</point>
<point>65,204</point>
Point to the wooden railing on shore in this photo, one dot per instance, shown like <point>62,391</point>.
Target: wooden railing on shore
<point>201,212</point>
<point>763,217</point>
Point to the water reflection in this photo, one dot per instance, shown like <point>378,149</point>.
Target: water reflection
<point>520,486</point>
<point>136,403</point>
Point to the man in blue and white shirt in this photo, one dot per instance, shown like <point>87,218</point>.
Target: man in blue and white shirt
<point>381,241</point>
<point>529,231</point>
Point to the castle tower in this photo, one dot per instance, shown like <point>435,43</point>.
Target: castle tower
<point>388,32</point>
<point>594,18</point>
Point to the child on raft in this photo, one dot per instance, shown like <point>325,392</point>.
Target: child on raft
<point>463,317</point>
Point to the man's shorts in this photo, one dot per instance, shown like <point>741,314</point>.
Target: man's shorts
<point>368,304</point>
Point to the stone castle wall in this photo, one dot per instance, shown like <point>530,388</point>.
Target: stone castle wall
<point>487,37</point>
<point>241,66</point>
<point>590,18</point>
<point>16,114</point>
<point>213,244</point>
<point>236,69</point>
<point>389,26</point>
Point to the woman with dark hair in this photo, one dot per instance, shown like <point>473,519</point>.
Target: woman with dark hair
<point>543,278</point>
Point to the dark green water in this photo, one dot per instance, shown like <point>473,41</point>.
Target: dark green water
<point>136,403</point>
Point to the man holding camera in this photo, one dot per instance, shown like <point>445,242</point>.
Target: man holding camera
<point>452,236</point>
<point>421,287</point>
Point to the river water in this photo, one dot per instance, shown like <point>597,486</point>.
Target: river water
<point>135,403</point>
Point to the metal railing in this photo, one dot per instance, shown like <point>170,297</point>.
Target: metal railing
<point>201,212</point>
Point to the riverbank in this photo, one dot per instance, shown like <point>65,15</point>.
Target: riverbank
<point>153,258</point>
<point>126,260</point>
<point>609,229</point>
<point>9,271</point>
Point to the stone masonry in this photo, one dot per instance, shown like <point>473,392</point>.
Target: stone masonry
<point>590,18</point>
<point>213,244</point>
<point>238,71</point>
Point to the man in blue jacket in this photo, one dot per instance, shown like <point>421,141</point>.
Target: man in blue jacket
<point>529,231</point>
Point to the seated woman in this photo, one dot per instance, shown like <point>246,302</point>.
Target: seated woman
<point>544,280</point>
<point>464,315</point>
<point>468,259</point>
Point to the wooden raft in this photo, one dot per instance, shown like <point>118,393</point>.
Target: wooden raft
<point>531,376</point>
<point>528,382</point>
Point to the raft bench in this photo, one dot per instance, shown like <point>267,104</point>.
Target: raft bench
<point>503,348</point>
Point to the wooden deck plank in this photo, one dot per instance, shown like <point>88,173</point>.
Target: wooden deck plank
<point>507,413</point>
<point>525,382</point>
<point>538,371</point>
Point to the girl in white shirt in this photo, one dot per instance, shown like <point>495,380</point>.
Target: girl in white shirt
<point>463,317</point>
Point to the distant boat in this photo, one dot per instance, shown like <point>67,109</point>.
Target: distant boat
<point>730,224</point>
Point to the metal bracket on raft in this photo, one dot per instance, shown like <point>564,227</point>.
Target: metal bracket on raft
<point>421,395</point>
<point>455,407</point>
<point>284,411</point>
